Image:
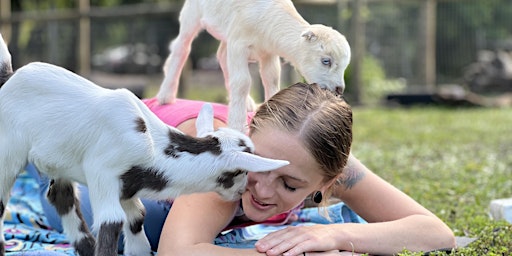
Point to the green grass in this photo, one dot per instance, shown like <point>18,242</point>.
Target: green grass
<point>452,161</point>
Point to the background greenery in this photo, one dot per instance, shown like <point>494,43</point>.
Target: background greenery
<point>452,161</point>
<point>463,28</point>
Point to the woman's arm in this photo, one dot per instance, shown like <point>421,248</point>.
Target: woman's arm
<point>396,222</point>
<point>193,223</point>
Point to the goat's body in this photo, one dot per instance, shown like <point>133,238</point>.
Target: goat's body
<point>257,21</point>
<point>75,131</point>
<point>39,133</point>
<point>262,31</point>
<point>48,110</point>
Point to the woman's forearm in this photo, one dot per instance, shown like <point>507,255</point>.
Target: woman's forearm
<point>414,233</point>
<point>206,249</point>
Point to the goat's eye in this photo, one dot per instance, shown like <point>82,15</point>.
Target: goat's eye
<point>326,61</point>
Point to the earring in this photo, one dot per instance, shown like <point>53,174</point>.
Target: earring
<point>317,197</point>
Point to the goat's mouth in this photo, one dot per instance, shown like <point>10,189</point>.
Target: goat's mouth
<point>339,91</point>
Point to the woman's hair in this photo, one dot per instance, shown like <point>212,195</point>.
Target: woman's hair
<point>322,120</point>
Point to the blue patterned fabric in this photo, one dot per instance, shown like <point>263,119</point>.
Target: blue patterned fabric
<point>246,237</point>
<point>25,226</point>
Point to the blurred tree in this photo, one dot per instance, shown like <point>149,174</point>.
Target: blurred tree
<point>468,26</point>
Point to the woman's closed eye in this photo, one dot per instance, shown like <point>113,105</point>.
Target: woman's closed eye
<point>288,187</point>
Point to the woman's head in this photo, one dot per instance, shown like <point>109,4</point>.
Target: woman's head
<point>312,126</point>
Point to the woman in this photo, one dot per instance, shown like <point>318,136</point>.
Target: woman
<point>311,128</point>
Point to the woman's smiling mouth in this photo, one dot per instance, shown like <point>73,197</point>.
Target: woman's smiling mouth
<point>260,205</point>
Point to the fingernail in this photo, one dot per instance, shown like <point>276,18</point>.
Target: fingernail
<point>260,246</point>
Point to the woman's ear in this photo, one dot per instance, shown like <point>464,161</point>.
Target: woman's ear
<point>329,183</point>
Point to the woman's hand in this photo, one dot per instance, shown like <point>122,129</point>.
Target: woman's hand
<point>332,253</point>
<point>295,240</point>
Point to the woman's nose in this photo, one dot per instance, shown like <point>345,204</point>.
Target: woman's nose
<point>264,185</point>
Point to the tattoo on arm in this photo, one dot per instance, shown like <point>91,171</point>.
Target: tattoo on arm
<point>351,177</point>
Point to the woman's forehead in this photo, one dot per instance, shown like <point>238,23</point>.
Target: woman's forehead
<point>278,144</point>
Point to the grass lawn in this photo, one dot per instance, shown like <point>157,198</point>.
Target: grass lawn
<point>452,161</point>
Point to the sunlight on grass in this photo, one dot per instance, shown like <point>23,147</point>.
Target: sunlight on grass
<point>453,161</point>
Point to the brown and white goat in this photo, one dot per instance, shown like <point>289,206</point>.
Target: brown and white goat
<point>75,131</point>
<point>261,31</point>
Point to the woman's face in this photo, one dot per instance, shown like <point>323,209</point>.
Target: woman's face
<point>277,191</point>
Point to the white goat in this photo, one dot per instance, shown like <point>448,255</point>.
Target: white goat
<point>256,30</point>
<point>76,131</point>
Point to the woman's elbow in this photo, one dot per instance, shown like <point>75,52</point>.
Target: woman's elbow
<point>444,238</point>
<point>448,240</point>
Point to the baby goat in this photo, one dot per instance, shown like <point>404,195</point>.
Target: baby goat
<point>260,31</point>
<point>76,131</point>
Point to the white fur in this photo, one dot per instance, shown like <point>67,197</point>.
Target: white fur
<point>259,30</point>
<point>74,130</point>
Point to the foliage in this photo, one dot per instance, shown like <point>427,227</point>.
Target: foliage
<point>375,85</point>
<point>452,161</point>
<point>392,36</point>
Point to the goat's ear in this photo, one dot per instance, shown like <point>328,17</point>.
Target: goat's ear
<point>204,122</point>
<point>255,163</point>
<point>309,35</point>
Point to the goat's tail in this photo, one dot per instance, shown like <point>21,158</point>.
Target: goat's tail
<point>5,62</point>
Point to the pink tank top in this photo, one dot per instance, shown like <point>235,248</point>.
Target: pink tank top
<point>183,110</point>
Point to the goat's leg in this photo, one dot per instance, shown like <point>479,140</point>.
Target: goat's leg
<point>62,194</point>
<point>136,242</point>
<point>7,178</point>
<point>239,85</point>
<point>222,58</point>
<point>107,211</point>
<point>270,72</point>
<point>180,48</point>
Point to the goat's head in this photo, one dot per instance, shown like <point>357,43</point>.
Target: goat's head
<point>235,159</point>
<point>325,57</point>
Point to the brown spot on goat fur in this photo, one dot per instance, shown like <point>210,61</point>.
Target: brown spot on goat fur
<point>108,236</point>
<point>138,178</point>
<point>85,246</point>
<point>2,245</point>
<point>136,226</point>
<point>141,125</point>
<point>226,179</point>
<point>62,196</point>
<point>2,209</point>
<point>83,225</point>
<point>179,142</point>
<point>247,149</point>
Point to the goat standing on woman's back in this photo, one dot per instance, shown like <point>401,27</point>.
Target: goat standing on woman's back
<point>262,31</point>
<point>75,131</point>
